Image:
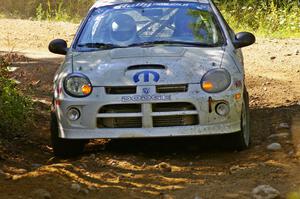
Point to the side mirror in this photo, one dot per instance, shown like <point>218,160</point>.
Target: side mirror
<point>58,46</point>
<point>243,39</point>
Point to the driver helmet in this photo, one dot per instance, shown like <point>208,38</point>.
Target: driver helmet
<point>123,29</point>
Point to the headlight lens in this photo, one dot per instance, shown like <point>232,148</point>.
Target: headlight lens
<point>216,80</point>
<point>77,85</point>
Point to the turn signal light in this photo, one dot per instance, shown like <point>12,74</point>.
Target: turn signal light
<point>86,89</point>
<point>238,96</point>
<point>207,85</point>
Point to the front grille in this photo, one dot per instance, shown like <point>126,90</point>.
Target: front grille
<point>172,88</point>
<point>162,115</point>
<point>131,122</point>
<point>175,106</point>
<point>121,108</point>
<point>178,120</point>
<point>111,116</point>
<point>118,90</point>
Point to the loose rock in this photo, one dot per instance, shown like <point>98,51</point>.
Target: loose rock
<point>265,192</point>
<point>2,174</point>
<point>144,165</point>
<point>291,153</point>
<point>83,165</point>
<point>20,171</point>
<point>42,194</point>
<point>274,147</point>
<point>234,169</point>
<point>85,191</point>
<point>284,126</point>
<point>164,167</point>
<point>35,166</point>
<point>279,135</point>
<point>197,197</point>
<point>93,156</point>
<point>14,177</point>
<point>76,187</point>
<point>91,188</point>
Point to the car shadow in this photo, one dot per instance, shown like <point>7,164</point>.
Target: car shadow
<point>264,122</point>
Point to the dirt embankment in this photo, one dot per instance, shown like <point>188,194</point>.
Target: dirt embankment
<point>156,168</point>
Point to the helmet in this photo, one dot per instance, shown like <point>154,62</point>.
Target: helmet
<point>123,28</point>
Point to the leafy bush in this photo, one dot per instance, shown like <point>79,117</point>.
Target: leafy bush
<point>15,109</point>
<point>59,10</point>
<point>267,18</point>
<point>279,18</point>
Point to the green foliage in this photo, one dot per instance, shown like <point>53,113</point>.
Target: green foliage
<point>294,195</point>
<point>55,12</point>
<point>280,18</point>
<point>58,10</point>
<point>266,18</point>
<point>40,13</point>
<point>15,109</point>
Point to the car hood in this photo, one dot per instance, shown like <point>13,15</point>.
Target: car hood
<point>147,66</point>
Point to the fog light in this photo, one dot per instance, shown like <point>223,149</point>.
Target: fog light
<point>73,114</point>
<point>222,109</point>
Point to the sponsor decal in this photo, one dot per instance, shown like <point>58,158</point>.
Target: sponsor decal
<point>146,76</point>
<point>200,6</point>
<point>142,98</point>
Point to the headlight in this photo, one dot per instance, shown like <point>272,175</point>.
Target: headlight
<point>216,80</point>
<point>77,85</point>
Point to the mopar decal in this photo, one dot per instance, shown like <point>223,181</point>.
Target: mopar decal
<point>139,98</point>
<point>146,76</point>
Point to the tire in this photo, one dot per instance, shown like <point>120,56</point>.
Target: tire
<point>64,147</point>
<point>241,139</point>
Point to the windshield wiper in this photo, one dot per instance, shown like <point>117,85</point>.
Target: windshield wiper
<point>99,45</point>
<point>151,43</point>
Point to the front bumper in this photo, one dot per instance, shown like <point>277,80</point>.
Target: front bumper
<point>197,130</point>
<point>208,121</point>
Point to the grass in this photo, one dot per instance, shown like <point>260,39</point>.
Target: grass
<point>264,20</point>
<point>261,19</point>
<point>272,18</point>
<point>15,108</point>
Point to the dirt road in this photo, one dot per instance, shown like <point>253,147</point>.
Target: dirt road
<point>157,168</point>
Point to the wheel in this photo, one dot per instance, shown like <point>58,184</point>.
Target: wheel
<point>64,147</point>
<point>241,139</point>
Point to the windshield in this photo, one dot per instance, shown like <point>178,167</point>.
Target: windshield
<point>136,24</point>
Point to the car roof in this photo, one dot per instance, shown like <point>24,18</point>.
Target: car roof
<point>101,3</point>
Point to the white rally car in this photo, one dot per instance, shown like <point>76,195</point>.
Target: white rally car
<point>140,68</point>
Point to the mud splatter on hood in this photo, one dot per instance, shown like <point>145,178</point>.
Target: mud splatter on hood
<point>180,65</point>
